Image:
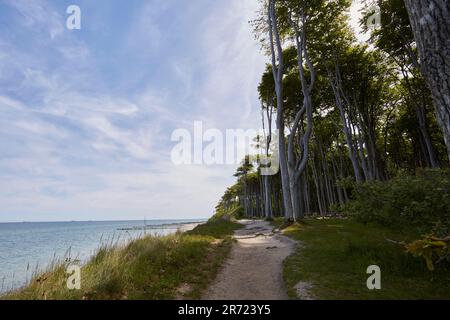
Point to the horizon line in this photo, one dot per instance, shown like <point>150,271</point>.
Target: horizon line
<point>69,221</point>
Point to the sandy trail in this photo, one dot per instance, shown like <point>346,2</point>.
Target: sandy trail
<point>254,269</point>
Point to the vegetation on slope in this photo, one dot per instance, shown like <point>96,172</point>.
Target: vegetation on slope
<point>420,202</point>
<point>148,268</point>
<point>384,221</point>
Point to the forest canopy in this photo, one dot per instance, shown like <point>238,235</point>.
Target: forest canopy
<point>363,128</point>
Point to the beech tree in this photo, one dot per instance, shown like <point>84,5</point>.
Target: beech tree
<point>395,38</point>
<point>347,113</point>
<point>276,50</point>
<point>430,21</point>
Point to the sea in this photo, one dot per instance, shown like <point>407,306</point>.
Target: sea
<point>27,248</point>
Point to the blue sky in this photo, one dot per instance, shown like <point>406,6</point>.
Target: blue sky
<point>87,115</point>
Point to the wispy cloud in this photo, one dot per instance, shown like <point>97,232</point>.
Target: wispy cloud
<point>35,15</point>
<point>87,117</point>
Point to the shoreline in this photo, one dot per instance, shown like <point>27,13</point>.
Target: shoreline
<point>18,274</point>
<point>189,226</point>
<point>148,268</point>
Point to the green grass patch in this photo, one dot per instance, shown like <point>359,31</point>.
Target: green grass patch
<point>218,228</point>
<point>148,268</point>
<point>334,254</point>
<point>280,223</point>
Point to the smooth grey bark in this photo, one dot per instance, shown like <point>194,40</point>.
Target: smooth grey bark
<point>362,155</point>
<point>430,22</point>
<point>297,165</point>
<point>268,139</point>
<point>245,197</point>
<point>306,194</point>
<point>326,175</point>
<point>427,148</point>
<point>337,90</point>
<point>426,144</point>
<point>336,178</point>
<point>423,129</point>
<point>316,182</point>
<point>275,45</point>
<point>267,198</point>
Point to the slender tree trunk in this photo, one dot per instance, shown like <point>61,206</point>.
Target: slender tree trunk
<point>348,137</point>
<point>275,45</point>
<point>427,148</point>
<point>298,166</point>
<point>306,194</point>
<point>267,198</point>
<point>317,183</point>
<point>295,195</point>
<point>267,142</point>
<point>336,178</point>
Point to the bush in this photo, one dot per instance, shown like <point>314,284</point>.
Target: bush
<point>431,249</point>
<point>421,202</point>
<point>234,212</point>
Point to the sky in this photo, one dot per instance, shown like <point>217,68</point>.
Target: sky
<point>87,115</point>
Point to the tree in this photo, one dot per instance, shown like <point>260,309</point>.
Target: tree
<point>430,21</point>
<point>347,113</point>
<point>277,71</point>
<point>242,173</point>
<point>395,38</point>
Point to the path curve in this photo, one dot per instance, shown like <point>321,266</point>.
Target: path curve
<point>255,267</point>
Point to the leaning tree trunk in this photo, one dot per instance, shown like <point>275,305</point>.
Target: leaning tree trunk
<point>298,166</point>
<point>430,21</point>
<point>336,86</point>
<point>275,45</point>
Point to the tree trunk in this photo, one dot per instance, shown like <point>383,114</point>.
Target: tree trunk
<point>430,21</point>
<point>428,145</point>
<point>348,137</point>
<point>267,198</point>
<point>298,166</point>
<point>275,45</point>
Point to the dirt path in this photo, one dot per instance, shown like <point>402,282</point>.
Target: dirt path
<point>254,269</point>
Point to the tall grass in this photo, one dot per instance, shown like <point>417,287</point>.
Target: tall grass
<point>153,267</point>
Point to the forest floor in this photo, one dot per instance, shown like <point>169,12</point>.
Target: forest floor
<point>254,269</point>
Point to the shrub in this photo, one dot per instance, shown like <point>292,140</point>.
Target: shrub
<point>432,249</point>
<point>421,202</point>
<point>234,212</point>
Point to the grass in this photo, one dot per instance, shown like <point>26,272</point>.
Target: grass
<point>279,223</point>
<point>334,254</point>
<point>147,268</point>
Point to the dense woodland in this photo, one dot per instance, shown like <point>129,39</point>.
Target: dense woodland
<point>361,127</point>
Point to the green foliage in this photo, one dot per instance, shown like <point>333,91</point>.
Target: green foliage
<point>235,211</point>
<point>421,202</point>
<point>395,35</point>
<point>432,249</point>
<point>218,228</point>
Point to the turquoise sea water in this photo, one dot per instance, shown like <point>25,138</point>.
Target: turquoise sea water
<point>30,246</point>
